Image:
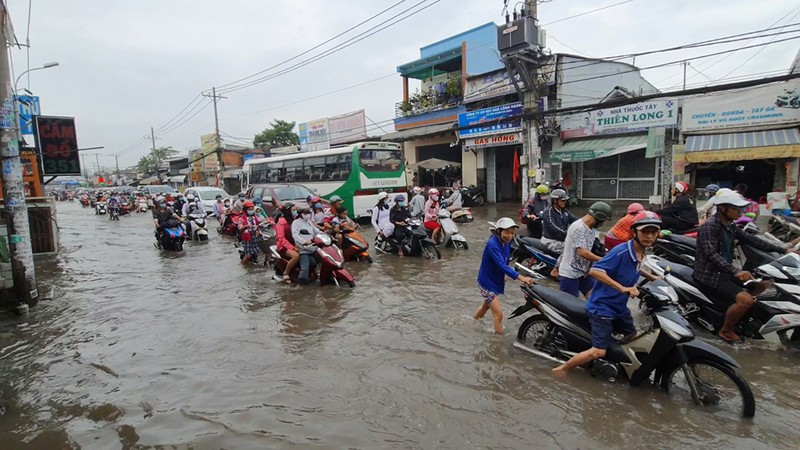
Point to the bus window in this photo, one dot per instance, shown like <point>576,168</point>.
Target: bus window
<point>380,160</point>
<point>338,167</point>
<point>313,169</point>
<point>293,170</point>
<point>273,172</point>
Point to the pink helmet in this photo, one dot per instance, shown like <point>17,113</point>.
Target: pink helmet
<point>681,186</point>
<point>634,208</point>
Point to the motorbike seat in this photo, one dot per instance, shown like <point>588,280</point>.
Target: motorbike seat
<point>573,307</point>
<point>682,240</point>
<point>680,271</point>
<point>537,244</point>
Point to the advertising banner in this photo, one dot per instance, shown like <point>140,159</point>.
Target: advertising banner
<point>493,141</point>
<point>489,121</point>
<point>302,132</point>
<point>489,85</point>
<point>348,127</point>
<point>28,106</point>
<point>58,143</point>
<point>622,119</point>
<point>317,135</point>
<point>205,160</point>
<point>773,105</point>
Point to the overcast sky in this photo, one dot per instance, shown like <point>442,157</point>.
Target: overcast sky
<point>128,65</point>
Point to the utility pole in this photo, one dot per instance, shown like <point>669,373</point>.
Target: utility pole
<point>116,162</point>
<point>153,138</point>
<point>97,160</point>
<point>85,169</point>
<point>685,65</point>
<point>19,233</point>
<point>214,97</point>
<point>530,135</point>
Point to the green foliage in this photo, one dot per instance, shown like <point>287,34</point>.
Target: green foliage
<point>153,160</point>
<point>453,87</point>
<point>280,134</point>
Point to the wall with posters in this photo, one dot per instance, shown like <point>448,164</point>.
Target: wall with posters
<point>771,106</point>
<point>324,133</point>
<point>489,121</point>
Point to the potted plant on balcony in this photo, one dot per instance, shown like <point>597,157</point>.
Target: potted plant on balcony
<point>453,89</point>
<point>406,107</point>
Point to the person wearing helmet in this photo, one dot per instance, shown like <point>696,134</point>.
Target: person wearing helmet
<point>317,211</point>
<point>713,272</point>
<point>219,209</point>
<point>336,204</point>
<point>284,240</point>
<point>431,218</point>
<point>681,215</point>
<point>752,206</point>
<point>555,222</point>
<point>399,215</point>
<point>577,258</point>
<point>303,232</point>
<point>621,231</point>
<point>709,209</point>
<point>616,275</point>
<point>494,269</point>
<point>162,213</point>
<point>454,202</point>
<point>249,233</point>
<point>238,205</point>
<point>417,203</point>
<point>381,221</point>
<point>533,210</point>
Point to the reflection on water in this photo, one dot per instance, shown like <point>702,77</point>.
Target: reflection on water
<point>144,349</point>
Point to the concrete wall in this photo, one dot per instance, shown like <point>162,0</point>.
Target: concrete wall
<point>482,55</point>
<point>587,81</point>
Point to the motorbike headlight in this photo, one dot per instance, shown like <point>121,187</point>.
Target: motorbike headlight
<point>668,292</point>
<point>673,329</point>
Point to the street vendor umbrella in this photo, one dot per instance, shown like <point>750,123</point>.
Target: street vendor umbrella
<point>436,164</point>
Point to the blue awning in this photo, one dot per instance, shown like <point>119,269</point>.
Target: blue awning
<point>432,65</point>
<point>783,143</point>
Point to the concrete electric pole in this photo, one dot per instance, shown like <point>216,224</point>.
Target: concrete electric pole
<point>153,138</point>
<point>530,135</point>
<point>19,232</point>
<point>214,97</point>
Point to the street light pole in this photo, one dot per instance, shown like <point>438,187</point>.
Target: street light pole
<point>45,66</point>
<point>19,232</point>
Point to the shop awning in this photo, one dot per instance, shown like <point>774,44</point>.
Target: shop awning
<point>178,179</point>
<point>149,180</point>
<point>399,136</point>
<point>433,65</point>
<point>588,149</point>
<point>766,144</point>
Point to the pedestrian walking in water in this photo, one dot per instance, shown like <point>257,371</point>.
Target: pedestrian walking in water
<point>494,268</point>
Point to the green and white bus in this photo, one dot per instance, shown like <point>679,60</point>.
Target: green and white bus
<point>356,173</point>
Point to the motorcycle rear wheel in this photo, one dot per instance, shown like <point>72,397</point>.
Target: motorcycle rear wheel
<point>713,395</point>
<point>479,200</point>
<point>431,252</point>
<point>538,332</point>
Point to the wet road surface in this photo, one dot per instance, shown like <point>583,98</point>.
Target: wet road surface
<point>144,349</point>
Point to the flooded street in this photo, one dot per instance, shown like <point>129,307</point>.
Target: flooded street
<point>143,349</point>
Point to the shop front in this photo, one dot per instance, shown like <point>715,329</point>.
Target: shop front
<point>743,137</point>
<point>498,157</point>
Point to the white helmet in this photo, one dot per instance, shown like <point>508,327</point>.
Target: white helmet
<point>190,197</point>
<point>382,195</point>
<point>433,191</point>
<point>160,199</point>
<point>504,223</point>
<point>417,189</point>
<point>730,198</point>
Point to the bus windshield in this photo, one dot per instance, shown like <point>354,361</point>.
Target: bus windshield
<point>380,160</point>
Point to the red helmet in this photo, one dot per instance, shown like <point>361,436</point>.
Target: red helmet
<point>681,187</point>
<point>315,199</point>
<point>645,219</point>
<point>248,204</point>
<point>634,208</point>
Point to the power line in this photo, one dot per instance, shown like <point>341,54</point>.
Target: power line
<point>588,12</point>
<point>176,126</point>
<point>170,121</point>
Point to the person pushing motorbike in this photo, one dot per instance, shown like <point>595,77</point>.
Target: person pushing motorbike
<point>715,275</point>
<point>578,257</point>
<point>616,274</point>
<point>556,219</point>
<point>533,210</point>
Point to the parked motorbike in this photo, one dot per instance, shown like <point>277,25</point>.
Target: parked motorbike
<point>419,244</point>
<point>784,226</point>
<point>790,98</point>
<point>196,227</point>
<point>100,207</point>
<point>451,236</point>
<point>532,258</point>
<point>473,196</point>
<point>354,246</point>
<point>171,236</point>
<point>463,215</point>
<point>113,213</point>
<point>666,350</point>
<point>327,257</point>
<point>774,317</point>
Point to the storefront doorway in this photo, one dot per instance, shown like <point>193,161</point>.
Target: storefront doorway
<point>444,177</point>
<point>500,174</point>
<point>757,174</point>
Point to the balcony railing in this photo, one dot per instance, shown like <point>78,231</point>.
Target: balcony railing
<point>433,101</point>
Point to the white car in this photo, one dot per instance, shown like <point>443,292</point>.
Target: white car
<point>207,195</point>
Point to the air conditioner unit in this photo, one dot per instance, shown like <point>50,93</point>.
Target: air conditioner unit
<point>521,34</point>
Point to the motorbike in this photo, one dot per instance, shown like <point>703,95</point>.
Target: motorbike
<point>473,196</point>
<point>790,98</point>
<point>141,206</point>
<point>354,246</point>
<point>113,213</point>
<point>196,227</point>
<point>666,350</point>
<point>327,257</point>
<point>775,317</point>
<point>463,215</point>
<point>784,226</point>
<point>267,233</point>
<point>124,208</point>
<point>171,236</point>
<point>531,257</point>
<point>419,244</point>
<point>452,238</point>
<point>100,207</point>
<point>230,226</point>
<point>84,201</point>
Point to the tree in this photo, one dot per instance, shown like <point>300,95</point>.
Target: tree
<point>280,134</point>
<point>153,160</point>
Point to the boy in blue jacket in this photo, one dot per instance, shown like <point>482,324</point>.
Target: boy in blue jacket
<point>494,269</point>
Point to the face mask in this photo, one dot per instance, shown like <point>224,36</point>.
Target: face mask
<point>307,216</point>
<point>294,213</point>
<point>598,224</point>
<point>250,212</point>
<point>401,204</point>
<point>318,205</point>
<point>435,198</point>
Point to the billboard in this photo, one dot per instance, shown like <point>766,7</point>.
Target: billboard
<point>204,160</point>
<point>489,121</point>
<point>317,135</point>
<point>28,107</point>
<point>773,105</point>
<point>58,143</point>
<point>621,119</point>
<point>489,85</point>
<point>348,127</point>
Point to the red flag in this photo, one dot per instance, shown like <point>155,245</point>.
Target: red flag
<point>516,167</point>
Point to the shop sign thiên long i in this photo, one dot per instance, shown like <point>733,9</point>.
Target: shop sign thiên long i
<point>622,119</point>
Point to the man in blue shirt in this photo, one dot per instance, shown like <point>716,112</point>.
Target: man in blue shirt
<point>617,274</point>
<point>494,269</point>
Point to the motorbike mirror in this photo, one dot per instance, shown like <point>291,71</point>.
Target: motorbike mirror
<point>751,215</point>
